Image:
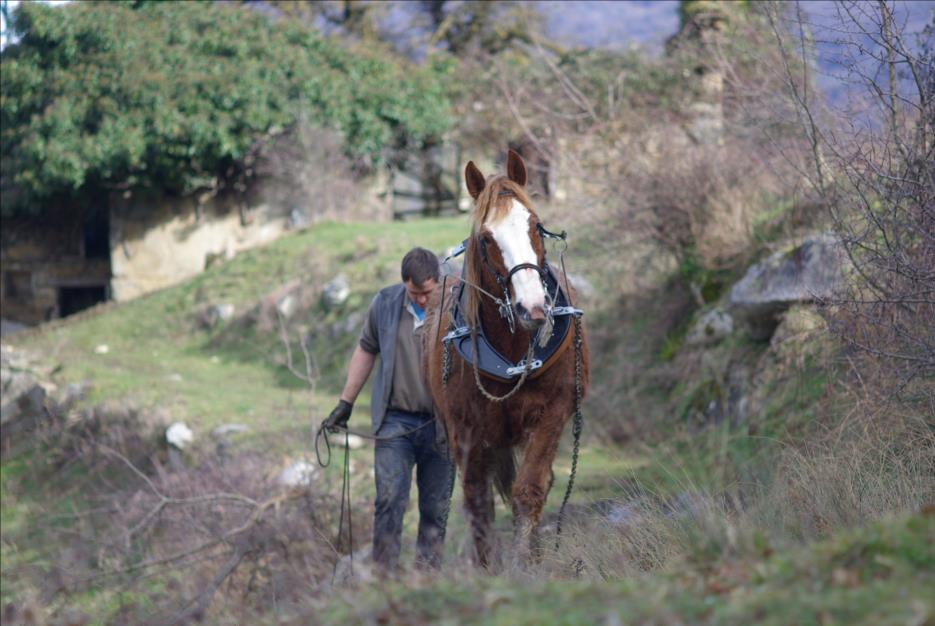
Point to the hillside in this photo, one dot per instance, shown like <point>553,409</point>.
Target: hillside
<point>685,509</point>
<point>755,266</point>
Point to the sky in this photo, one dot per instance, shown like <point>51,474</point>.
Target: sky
<point>612,24</point>
<point>650,22</point>
<point>12,5</point>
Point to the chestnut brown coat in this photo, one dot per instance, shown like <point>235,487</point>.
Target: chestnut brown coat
<point>485,436</point>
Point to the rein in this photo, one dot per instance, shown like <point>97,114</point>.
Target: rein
<point>321,434</point>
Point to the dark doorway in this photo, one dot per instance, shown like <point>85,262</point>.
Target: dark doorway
<point>97,234</point>
<point>74,299</point>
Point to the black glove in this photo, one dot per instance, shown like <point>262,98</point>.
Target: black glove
<point>339,416</point>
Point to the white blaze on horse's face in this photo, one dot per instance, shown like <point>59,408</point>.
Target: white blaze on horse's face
<point>511,233</point>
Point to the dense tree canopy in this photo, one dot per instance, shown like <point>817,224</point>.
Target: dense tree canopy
<point>101,95</point>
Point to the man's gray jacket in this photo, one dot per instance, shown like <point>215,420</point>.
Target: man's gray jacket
<point>387,306</point>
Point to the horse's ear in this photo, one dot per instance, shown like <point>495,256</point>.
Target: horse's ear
<point>474,179</point>
<point>515,168</point>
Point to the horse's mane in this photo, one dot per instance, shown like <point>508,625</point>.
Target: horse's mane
<point>492,204</point>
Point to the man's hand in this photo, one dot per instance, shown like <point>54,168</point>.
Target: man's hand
<point>339,416</point>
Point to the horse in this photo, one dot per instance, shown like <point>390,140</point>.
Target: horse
<point>489,418</point>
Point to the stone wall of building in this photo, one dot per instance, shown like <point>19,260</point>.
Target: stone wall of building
<point>157,241</point>
<point>46,265</point>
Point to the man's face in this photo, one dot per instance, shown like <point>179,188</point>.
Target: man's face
<point>419,294</point>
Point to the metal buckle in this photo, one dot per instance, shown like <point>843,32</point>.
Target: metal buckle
<point>566,310</point>
<point>520,367</point>
<point>456,333</point>
<point>457,251</point>
<point>506,312</point>
<point>547,234</point>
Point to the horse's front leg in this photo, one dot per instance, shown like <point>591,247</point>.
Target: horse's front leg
<point>530,491</point>
<point>478,500</point>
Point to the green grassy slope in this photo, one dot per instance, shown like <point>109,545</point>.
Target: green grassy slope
<point>667,572</point>
<point>158,357</point>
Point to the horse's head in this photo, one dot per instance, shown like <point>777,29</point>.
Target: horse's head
<point>506,245</point>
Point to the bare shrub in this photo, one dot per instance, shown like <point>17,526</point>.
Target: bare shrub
<point>873,166</point>
<point>229,528</point>
<point>164,546</point>
<point>78,437</point>
<point>699,202</point>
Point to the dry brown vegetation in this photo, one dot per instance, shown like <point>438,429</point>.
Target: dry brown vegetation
<point>164,536</point>
<point>672,200</point>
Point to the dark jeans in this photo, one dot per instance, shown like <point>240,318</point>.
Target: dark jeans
<point>393,472</point>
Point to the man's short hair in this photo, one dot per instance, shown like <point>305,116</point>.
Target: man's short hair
<point>419,265</point>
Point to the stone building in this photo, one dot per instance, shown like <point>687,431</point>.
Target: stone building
<point>53,265</point>
<point>127,244</point>
<point>72,258</point>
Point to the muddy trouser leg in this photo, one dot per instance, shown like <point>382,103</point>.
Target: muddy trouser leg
<point>393,473</point>
<point>435,479</point>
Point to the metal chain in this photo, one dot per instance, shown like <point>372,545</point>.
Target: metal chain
<point>451,487</point>
<point>522,379</point>
<point>576,432</point>
<point>446,363</point>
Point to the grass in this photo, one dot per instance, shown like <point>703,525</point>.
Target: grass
<point>157,357</point>
<point>881,575</point>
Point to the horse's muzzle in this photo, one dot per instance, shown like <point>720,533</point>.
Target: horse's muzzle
<point>530,319</point>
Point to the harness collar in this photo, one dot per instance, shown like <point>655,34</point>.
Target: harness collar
<point>491,363</point>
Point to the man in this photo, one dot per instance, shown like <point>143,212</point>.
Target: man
<point>401,414</point>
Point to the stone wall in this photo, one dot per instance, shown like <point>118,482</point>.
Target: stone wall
<point>41,257</point>
<point>157,241</point>
<point>152,240</point>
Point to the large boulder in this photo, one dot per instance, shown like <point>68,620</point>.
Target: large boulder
<point>808,273</point>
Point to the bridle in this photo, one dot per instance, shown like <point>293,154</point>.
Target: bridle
<point>506,303</point>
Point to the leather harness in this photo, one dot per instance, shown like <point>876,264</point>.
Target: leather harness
<point>492,364</point>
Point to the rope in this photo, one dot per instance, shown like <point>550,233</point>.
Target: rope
<point>345,503</point>
<point>498,301</point>
<point>321,434</point>
<point>576,432</point>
